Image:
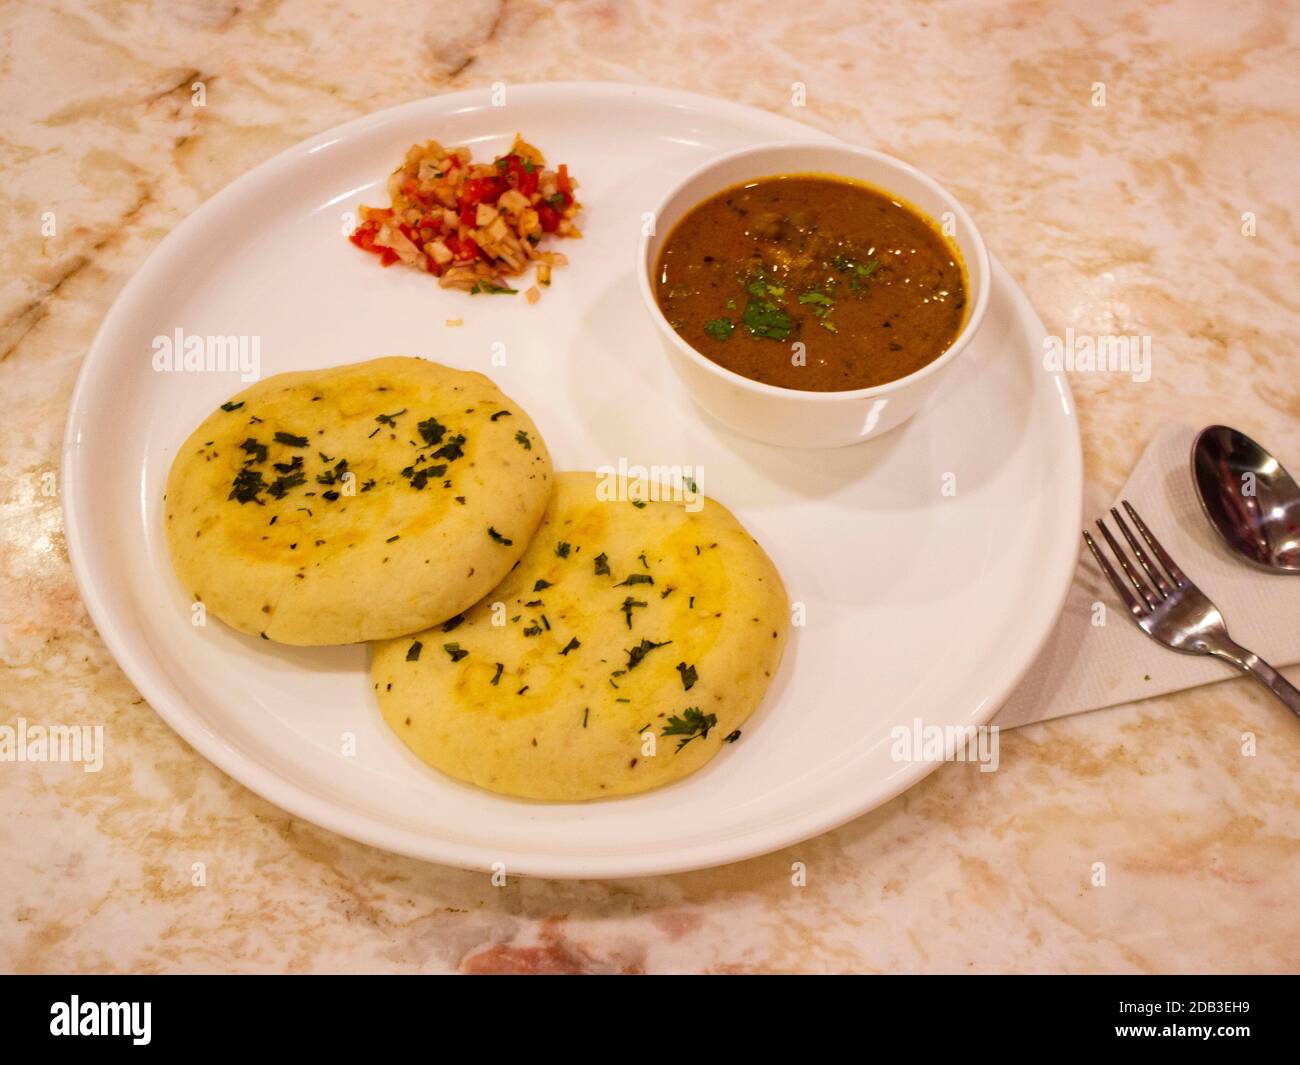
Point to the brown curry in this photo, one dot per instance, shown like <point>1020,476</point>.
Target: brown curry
<point>812,282</point>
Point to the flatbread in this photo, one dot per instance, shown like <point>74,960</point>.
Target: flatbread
<point>632,641</point>
<point>355,503</point>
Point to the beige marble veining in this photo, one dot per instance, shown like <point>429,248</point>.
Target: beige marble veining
<point>1126,218</point>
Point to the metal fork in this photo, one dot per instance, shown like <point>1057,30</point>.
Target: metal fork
<point>1173,611</point>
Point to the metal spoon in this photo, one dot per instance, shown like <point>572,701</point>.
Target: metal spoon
<point>1250,499</point>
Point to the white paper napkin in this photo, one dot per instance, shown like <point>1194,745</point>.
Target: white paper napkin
<point>1087,666</point>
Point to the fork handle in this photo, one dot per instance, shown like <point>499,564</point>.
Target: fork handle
<point>1249,662</point>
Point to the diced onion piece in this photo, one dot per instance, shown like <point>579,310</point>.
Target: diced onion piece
<point>390,237</point>
<point>513,200</point>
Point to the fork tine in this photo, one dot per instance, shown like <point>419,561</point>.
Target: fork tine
<point>1126,566</point>
<point>1121,589</point>
<point>1152,570</point>
<point>1175,574</point>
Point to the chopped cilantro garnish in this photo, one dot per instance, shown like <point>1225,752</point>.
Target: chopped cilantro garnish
<point>766,320</point>
<point>280,487</point>
<point>691,723</point>
<point>630,604</point>
<point>431,430</point>
<point>635,654</point>
<point>720,328</point>
<point>247,485</point>
<point>252,447</point>
<point>689,676</point>
<point>453,449</point>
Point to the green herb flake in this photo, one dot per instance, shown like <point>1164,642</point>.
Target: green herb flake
<point>630,604</point>
<point>602,564</point>
<point>281,485</point>
<point>455,651</point>
<point>452,449</point>
<point>291,439</point>
<point>766,320</point>
<point>637,653</point>
<point>228,407</point>
<point>572,645</point>
<point>562,549</point>
<point>502,540</point>
<point>431,431</point>
<point>720,328</point>
<point>689,676</point>
<point>247,485</point>
<point>252,447</point>
<point>521,438</point>
<point>691,724</point>
<point>413,652</point>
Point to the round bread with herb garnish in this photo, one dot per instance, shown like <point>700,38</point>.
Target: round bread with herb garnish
<point>355,503</point>
<point>627,648</point>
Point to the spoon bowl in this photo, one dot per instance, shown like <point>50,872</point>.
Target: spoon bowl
<point>1250,499</point>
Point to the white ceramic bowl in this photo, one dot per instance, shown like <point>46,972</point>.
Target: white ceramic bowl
<point>787,416</point>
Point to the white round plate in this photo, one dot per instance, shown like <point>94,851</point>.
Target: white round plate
<point>917,603</point>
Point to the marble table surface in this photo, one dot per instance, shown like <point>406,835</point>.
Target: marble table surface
<point>1169,211</point>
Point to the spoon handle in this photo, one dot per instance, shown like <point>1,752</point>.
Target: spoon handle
<point>1249,662</point>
